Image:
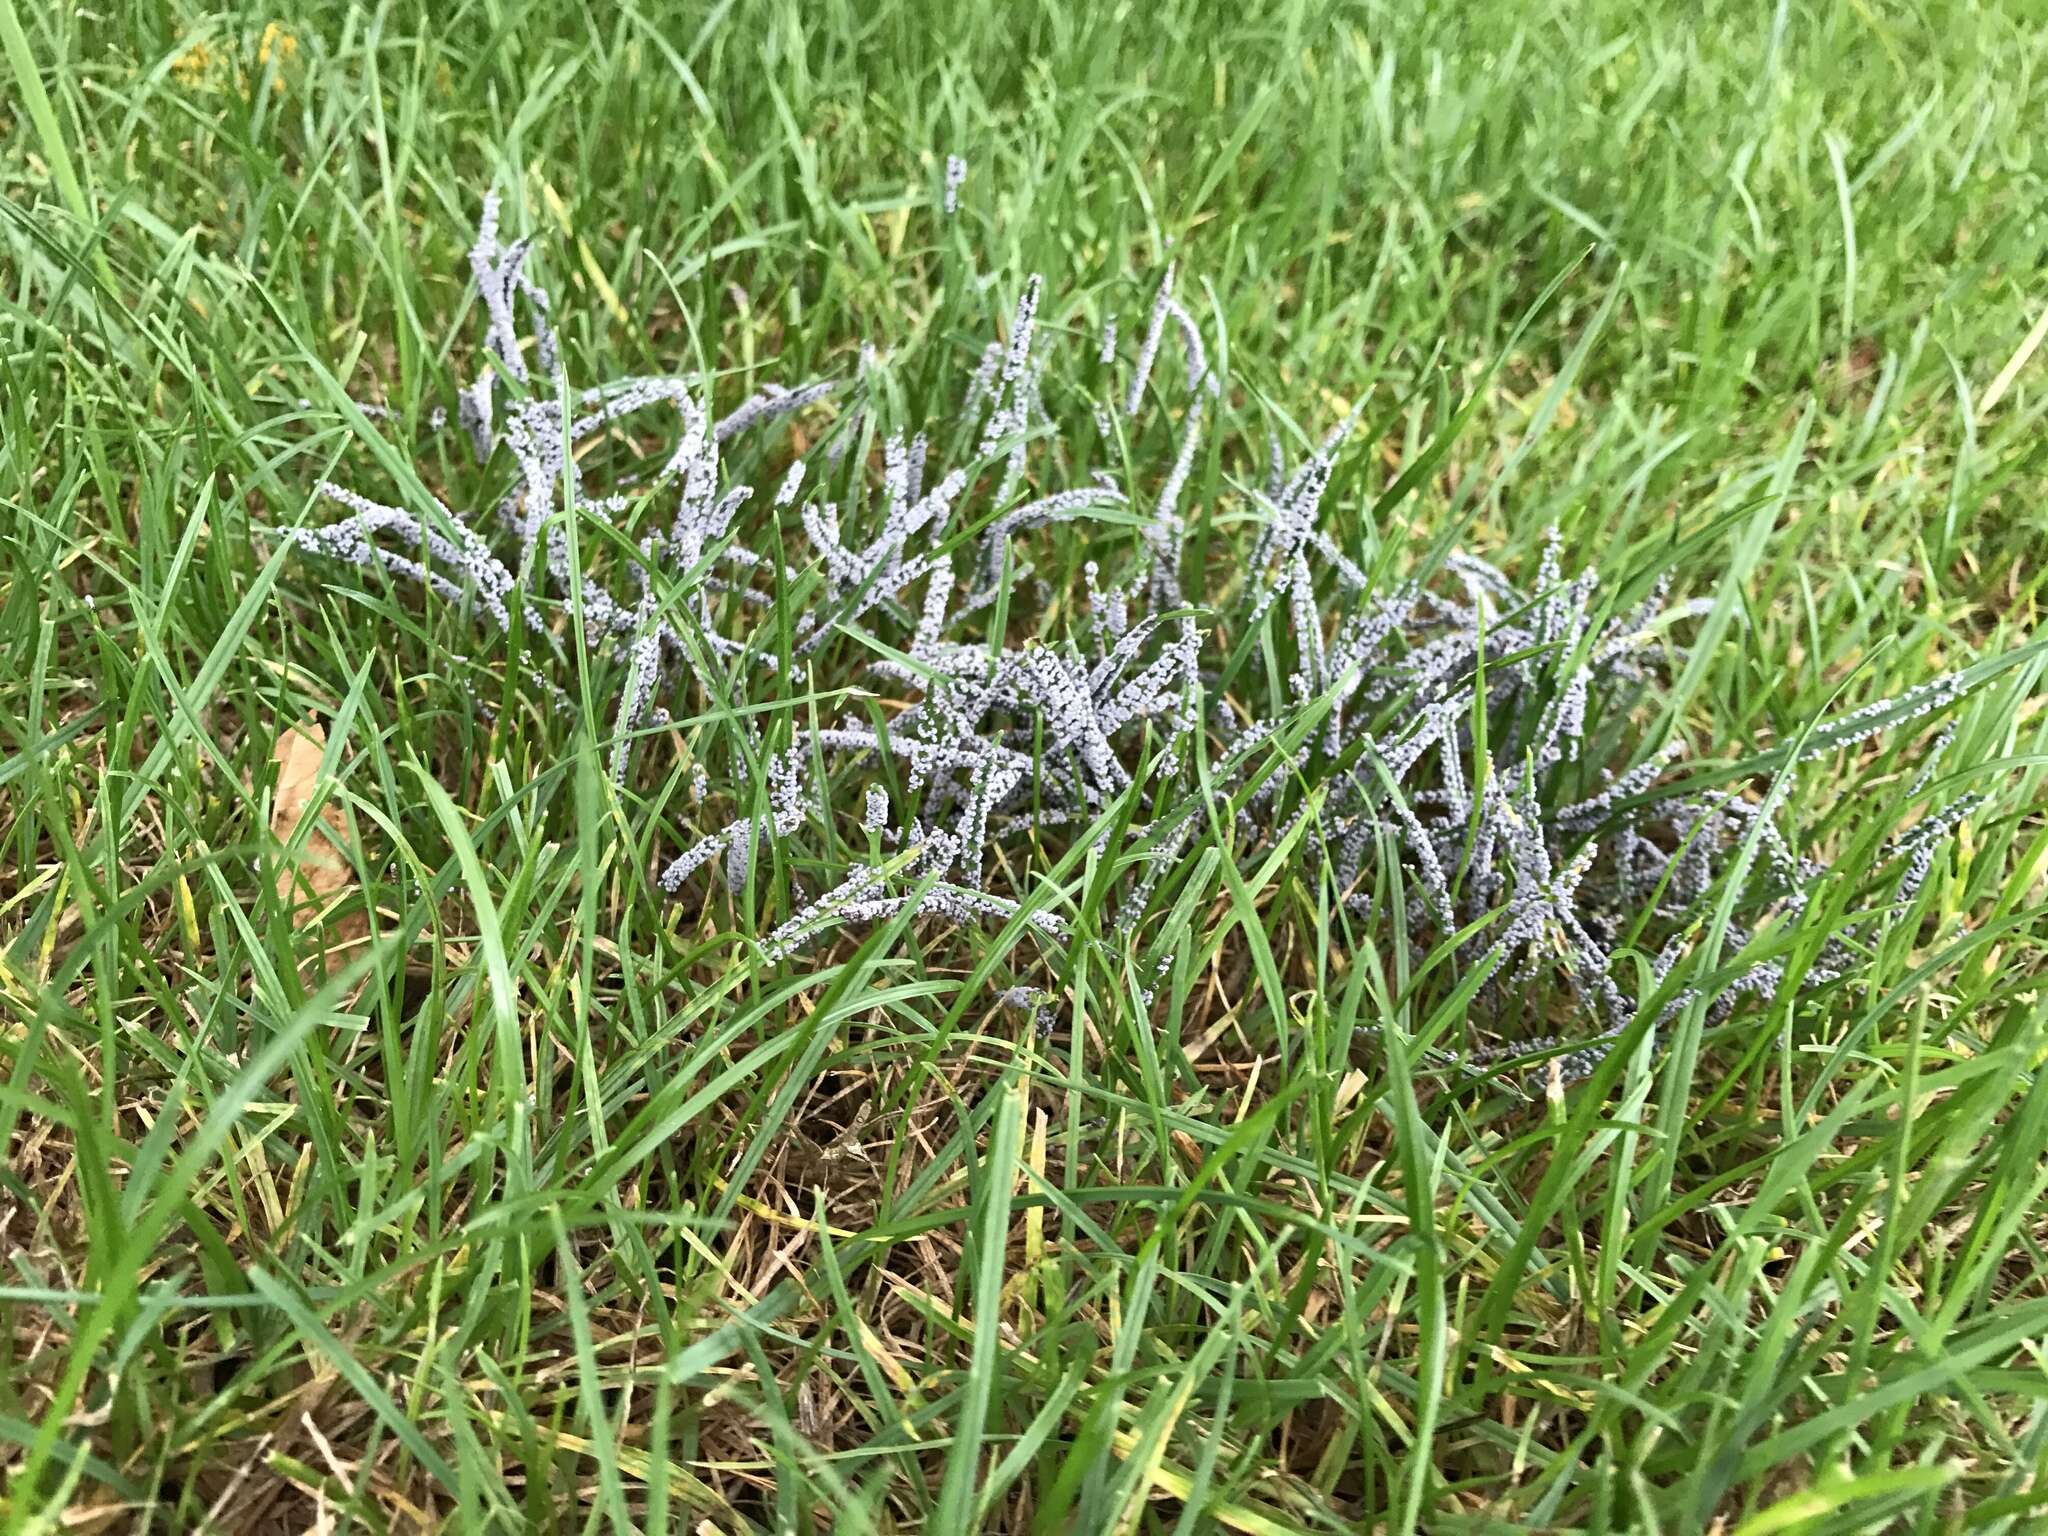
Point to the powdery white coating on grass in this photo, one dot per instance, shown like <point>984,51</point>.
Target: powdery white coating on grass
<point>1426,753</point>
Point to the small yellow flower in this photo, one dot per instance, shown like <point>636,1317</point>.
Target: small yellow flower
<point>275,38</point>
<point>193,66</point>
<point>280,44</point>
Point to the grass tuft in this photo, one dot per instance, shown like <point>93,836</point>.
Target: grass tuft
<point>1129,1146</point>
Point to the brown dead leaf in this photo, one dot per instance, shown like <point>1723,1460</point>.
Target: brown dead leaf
<point>321,871</point>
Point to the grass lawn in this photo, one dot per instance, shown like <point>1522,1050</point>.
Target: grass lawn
<point>387,1149</point>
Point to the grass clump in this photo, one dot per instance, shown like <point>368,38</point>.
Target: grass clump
<point>1478,742</point>
<point>1391,882</point>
